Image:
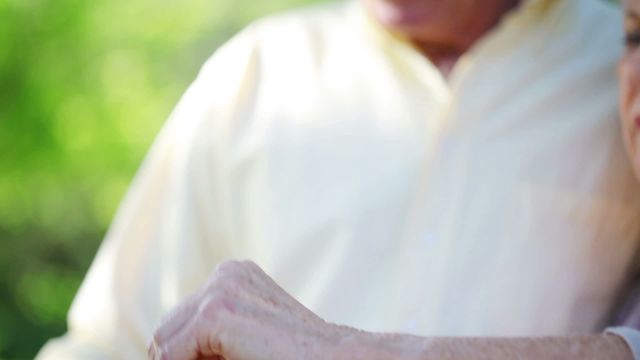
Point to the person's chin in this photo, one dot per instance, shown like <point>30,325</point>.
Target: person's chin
<point>405,17</point>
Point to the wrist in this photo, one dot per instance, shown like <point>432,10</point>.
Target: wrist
<point>357,345</point>
<point>362,345</point>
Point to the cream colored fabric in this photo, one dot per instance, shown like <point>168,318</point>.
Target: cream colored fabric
<point>497,202</point>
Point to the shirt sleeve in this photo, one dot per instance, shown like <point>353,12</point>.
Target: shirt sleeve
<point>174,224</point>
<point>630,336</point>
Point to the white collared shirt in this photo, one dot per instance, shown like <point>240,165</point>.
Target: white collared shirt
<point>497,202</point>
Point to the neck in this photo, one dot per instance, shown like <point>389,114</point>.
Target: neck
<point>445,54</point>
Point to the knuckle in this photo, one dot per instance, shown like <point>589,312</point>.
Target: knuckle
<point>225,283</point>
<point>215,343</point>
<point>217,306</point>
<point>248,264</point>
<point>164,355</point>
<point>156,340</point>
<point>228,266</point>
<point>221,271</point>
<point>231,276</point>
<point>211,343</point>
<point>230,270</point>
<point>154,350</point>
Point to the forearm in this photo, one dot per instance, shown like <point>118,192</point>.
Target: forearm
<point>408,347</point>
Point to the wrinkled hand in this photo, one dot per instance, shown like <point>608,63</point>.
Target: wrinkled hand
<point>242,314</point>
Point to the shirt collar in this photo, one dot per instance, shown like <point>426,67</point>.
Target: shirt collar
<point>402,51</point>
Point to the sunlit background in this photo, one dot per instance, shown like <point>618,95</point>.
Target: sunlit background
<point>84,87</point>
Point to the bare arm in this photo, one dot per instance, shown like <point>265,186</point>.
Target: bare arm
<point>408,347</point>
<point>242,314</point>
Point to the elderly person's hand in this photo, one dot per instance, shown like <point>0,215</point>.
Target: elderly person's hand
<point>241,313</point>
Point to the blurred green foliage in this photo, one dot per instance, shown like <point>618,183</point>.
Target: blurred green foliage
<point>84,88</point>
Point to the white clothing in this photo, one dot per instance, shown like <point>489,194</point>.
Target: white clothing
<point>498,202</point>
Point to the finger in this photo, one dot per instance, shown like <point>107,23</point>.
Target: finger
<point>182,346</point>
<point>176,319</point>
<point>153,352</point>
<point>202,336</point>
<point>222,329</point>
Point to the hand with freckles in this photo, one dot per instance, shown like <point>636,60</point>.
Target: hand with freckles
<point>241,313</point>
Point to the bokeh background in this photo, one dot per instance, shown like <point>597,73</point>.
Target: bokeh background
<point>84,87</point>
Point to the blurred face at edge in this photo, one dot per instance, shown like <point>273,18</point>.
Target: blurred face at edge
<point>629,80</point>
